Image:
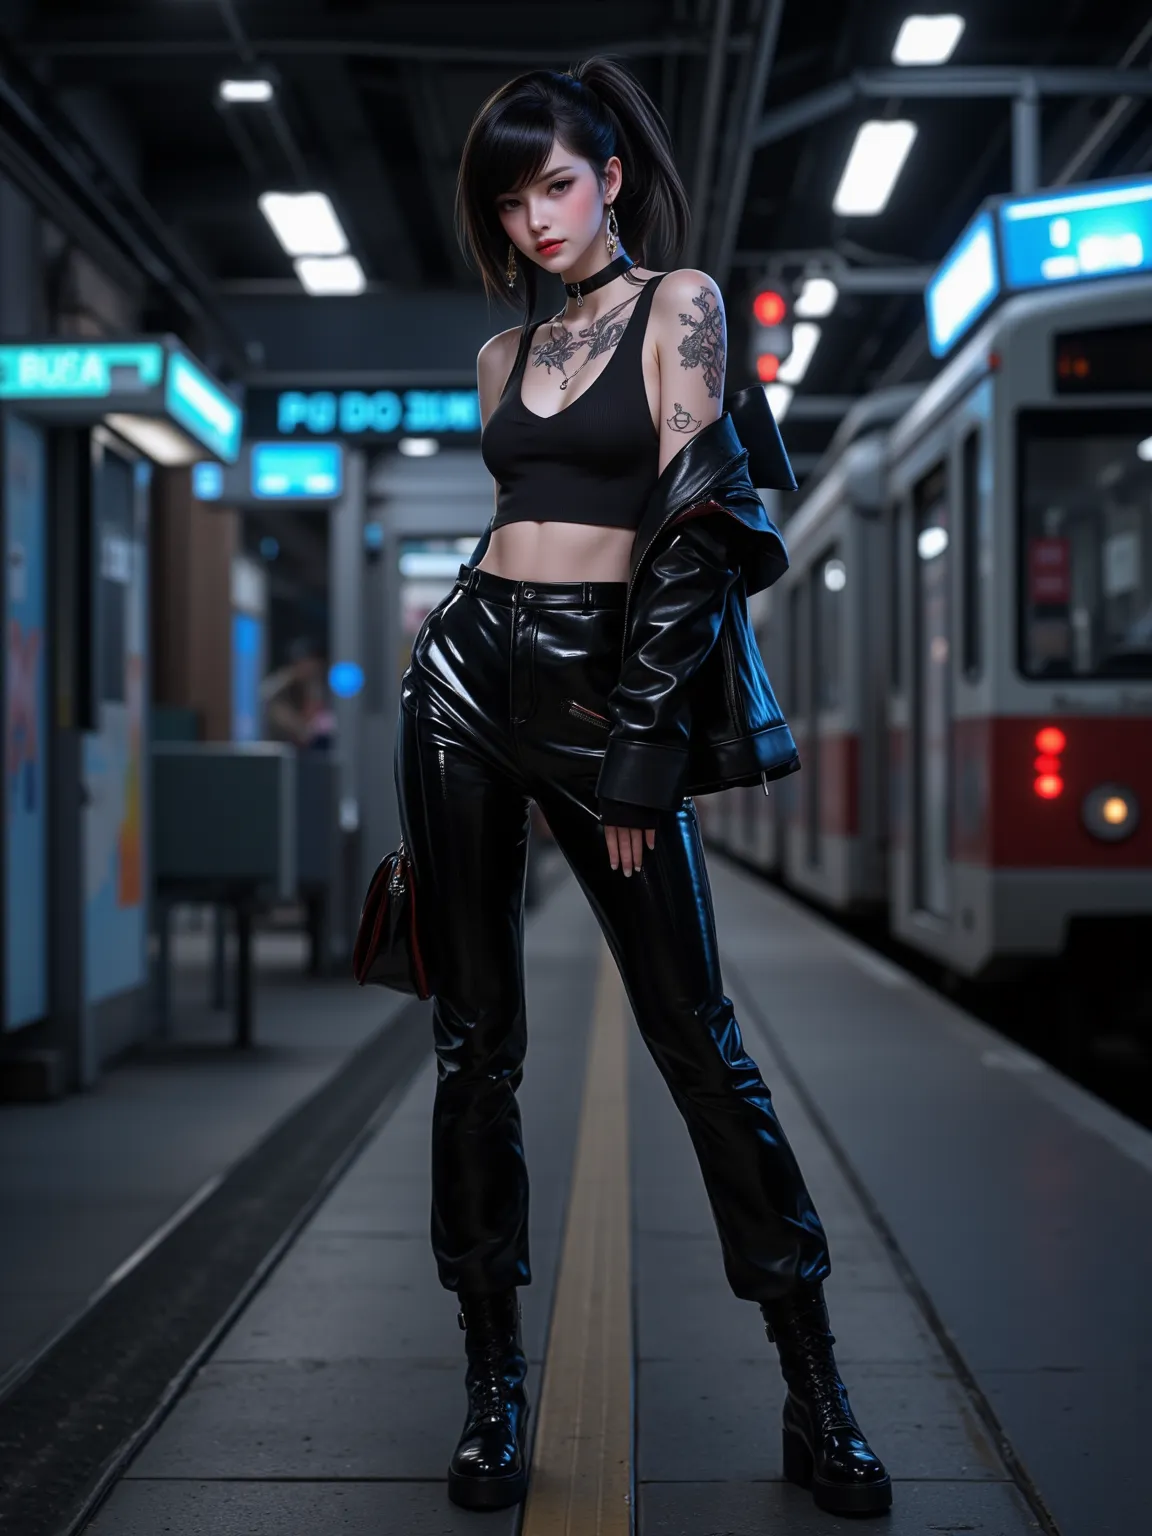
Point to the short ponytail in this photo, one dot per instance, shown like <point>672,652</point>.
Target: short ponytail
<point>652,207</point>
<point>599,110</point>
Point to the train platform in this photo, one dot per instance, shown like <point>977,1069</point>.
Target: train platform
<point>990,1274</point>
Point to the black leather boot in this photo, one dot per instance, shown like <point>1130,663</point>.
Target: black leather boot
<point>488,1469</point>
<point>824,1447</point>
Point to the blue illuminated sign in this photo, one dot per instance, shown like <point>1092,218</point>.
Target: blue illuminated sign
<point>212,417</point>
<point>1103,229</point>
<point>207,481</point>
<point>345,678</point>
<point>1094,232</point>
<point>381,412</point>
<point>965,283</point>
<point>297,471</point>
<point>78,372</point>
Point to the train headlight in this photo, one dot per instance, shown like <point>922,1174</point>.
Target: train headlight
<point>1111,812</point>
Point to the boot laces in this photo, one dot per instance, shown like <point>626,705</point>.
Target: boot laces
<point>489,1399</point>
<point>489,1342</point>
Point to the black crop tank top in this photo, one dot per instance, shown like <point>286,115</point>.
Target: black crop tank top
<point>596,460</point>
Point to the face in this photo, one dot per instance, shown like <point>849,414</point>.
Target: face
<point>554,219</point>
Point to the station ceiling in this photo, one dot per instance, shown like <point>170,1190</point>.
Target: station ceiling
<point>373,100</point>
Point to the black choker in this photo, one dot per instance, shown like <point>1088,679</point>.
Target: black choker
<point>598,279</point>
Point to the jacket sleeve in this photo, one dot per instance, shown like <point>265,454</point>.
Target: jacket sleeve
<point>680,603</point>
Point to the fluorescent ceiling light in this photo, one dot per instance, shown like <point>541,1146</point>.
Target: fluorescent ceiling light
<point>874,164</point>
<point>305,223</point>
<point>927,39</point>
<point>817,298</point>
<point>325,275</point>
<point>779,398</point>
<point>246,90</point>
<point>156,439</point>
<point>419,447</point>
<point>805,337</point>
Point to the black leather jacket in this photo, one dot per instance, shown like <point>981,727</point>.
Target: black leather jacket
<point>693,710</point>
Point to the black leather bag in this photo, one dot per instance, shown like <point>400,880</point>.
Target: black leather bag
<point>387,950</point>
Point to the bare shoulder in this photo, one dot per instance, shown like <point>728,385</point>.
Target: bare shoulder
<point>687,291</point>
<point>496,356</point>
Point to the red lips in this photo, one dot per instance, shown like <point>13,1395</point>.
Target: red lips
<point>547,246</point>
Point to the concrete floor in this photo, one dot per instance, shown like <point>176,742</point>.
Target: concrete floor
<point>335,1399</point>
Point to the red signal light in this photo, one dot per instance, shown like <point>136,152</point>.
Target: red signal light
<point>767,367</point>
<point>1051,740</point>
<point>769,307</point>
<point>1049,786</point>
<point>1047,763</point>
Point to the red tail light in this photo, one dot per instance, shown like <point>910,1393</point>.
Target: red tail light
<point>1049,786</point>
<point>1051,740</point>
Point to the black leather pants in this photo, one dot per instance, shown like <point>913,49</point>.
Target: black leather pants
<point>505,701</point>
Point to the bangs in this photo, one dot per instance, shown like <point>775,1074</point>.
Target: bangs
<point>511,152</point>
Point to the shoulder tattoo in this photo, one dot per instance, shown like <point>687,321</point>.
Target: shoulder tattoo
<point>703,347</point>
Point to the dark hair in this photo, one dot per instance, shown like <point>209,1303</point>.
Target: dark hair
<point>598,110</point>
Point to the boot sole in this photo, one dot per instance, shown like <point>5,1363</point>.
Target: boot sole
<point>487,1492</point>
<point>833,1498</point>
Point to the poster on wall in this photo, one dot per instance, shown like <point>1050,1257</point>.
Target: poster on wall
<point>25,734</point>
<point>115,912</point>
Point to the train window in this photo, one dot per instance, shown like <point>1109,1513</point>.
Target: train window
<point>932,692</point>
<point>971,659</point>
<point>1085,499</point>
<point>829,580</point>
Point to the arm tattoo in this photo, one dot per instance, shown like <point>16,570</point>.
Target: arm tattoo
<point>682,420</point>
<point>703,347</point>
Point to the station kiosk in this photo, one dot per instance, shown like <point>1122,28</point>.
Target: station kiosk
<point>82,426</point>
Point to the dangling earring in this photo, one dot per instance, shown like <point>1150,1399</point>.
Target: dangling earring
<point>510,269</point>
<point>612,238</point>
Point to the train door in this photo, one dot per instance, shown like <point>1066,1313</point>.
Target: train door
<point>932,694</point>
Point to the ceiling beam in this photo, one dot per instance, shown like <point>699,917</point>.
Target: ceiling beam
<point>157,49</point>
<point>944,83</point>
<point>736,188</point>
<point>706,134</point>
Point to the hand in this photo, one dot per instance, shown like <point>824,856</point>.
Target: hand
<point>626,846</point>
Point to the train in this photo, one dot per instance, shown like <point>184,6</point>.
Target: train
<point>963,648</point>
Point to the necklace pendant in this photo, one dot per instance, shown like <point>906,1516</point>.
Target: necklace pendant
<point>563,383</point>
<point>579,299</point>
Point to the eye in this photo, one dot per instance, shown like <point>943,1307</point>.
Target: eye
<point>505,206</point>
<point>565,181</point>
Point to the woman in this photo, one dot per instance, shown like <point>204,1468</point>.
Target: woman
<point>595,656</point>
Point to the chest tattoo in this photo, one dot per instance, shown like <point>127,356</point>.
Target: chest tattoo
<point>602,335</point>
<point>703,347</point>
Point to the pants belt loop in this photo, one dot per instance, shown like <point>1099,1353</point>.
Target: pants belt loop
<point>587,597</point>
<point>473,578</point>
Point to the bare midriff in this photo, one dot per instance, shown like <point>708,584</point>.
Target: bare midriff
<point>543,551</point>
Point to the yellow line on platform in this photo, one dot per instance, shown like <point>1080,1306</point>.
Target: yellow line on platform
<point>582,1459</point>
